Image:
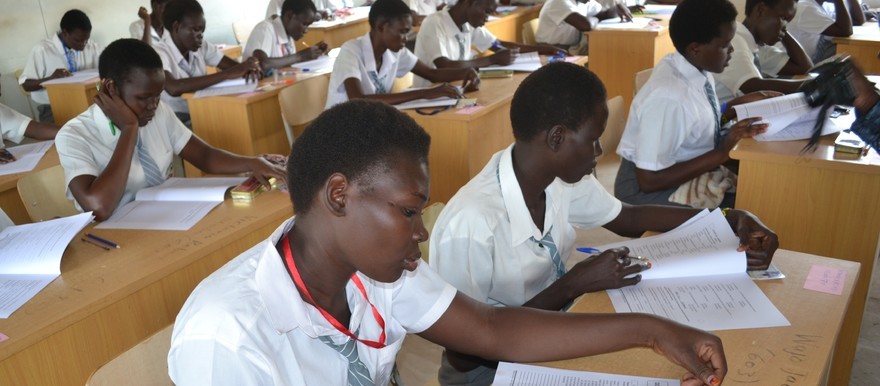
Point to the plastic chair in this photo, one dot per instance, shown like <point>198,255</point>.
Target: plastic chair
<point>242,30</point>
<point>429,217</point>
<point>402,83</point>
<point>301,103</point>
<point>44,194</point>
<point>27,95</point>
<point>529,29</point>
<point>144,364</point>
<point>616,123</point>
<point>641,78</point>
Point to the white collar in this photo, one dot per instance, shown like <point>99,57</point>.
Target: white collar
<point>694,76</point>
<point>747,36</point>
<point>522,228</point>
<point>280,33</point>
<point>449,24</point>
<point>366,45</point>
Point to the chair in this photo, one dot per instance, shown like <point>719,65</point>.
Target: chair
<point>641,78</point>
<point>616,122</point>
<point>529,29</point>
<point>402,83</point>
<point>27,95</point>
<point>301,103</point>
<point>144,364</point>
<point>44,194</point>
<point>242,30</point>
<point>429,217</point>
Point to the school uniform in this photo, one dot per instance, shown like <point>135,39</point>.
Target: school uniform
<point>356,60</point>
<point>86,143</point>
<point>447,40</point>
<point>12,125</point>
<point>552,28</point>
<point>246,324</point>
<point>486,245</point>
<point>425,7</point>
<point>270,37</point>
<point>671,120</point>
<point>50,55</point>
<point>807,27</point>
<point>136,29</point>
<point>744,65</point>
<point>194,65</point>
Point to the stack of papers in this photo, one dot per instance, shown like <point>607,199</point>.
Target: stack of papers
<point>514,374</point>
<point>32,257</point>
<point>422,103</point>
<point>790,118</point>
<point>527,62</point>
<point>227,87</point>
<point>26,157</point>
<point>84,76</point>
<point>320,65</point>
<point>615,23</point>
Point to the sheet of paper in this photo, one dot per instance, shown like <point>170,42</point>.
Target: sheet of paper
<point>36,248</point>
<point>26,157</point>
<point>659,9</point>
<point>772,272</point>
<point>826,279</point>
<point>615,23</point>
<point>159,215</point>
<point>706,246</point>
<point>515,374</point>
<point>527,62</point>
<point>322,64</point>
<point>190,189</point>
<point>16,290</point>
<point>5,221</point>
<point>422,103</point>
<point>227,87</point>
<point>84,76</point>
<point>718,302</point>
<point>803,128</point>
<point>503,8</point>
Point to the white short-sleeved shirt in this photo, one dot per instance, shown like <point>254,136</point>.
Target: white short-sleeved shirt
<point>425,7</point>
<point>51,55</point>
<point>445,39</point>
<point>741,66</point>
<point>181,68</point>
<point>552,28</point>
<point>772,59</point>
<point>12,125</point>
<point>356,60</point>
<point>808,24</point>
<point>136,29</point>
<point>86,143</point>
<point>246,324</point>
<point>270,37</point>
<point>670,120</point>
<point>481,243</point>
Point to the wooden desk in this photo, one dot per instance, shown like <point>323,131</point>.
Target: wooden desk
<point>106,302</point>
<point>70,99</point>
<point>863,46</point>
<point>820,205</point>
<point>509,27</point>
<point>795,355</point>
<point>334,35</point>
<point>10,201</point>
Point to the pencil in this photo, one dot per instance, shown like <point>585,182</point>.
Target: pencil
<point>95,243</point>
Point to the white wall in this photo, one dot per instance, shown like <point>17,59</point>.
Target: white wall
<point>23,23</point>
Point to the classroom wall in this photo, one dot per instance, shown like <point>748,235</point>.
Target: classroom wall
<point>23,23</point>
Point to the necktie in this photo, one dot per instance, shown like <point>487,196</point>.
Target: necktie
<point>461,48</point>
<point>710,94</point>
<point>380,87</point>
<point>358,375</point>
<point>151,171</point>
<point>547,241</point>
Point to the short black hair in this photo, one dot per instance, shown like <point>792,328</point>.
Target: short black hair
<point>75,20</point>
<point>357,138</point>
<point>159,1</point>
<point>556,94</point>
<point>389,10</point>
<point>298,6</point>
<point>124,55</point>
<point>176,10</point>
<point>699,21</point>
<point>751,4</point>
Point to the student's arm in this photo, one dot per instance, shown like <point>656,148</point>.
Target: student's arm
<point>855,12</point>
<point>267,63</point>
<point>145,16</point>
<point>785,86</point>
<point>501,57</point>
<point>468,76</point>
<point>354,91</point>
<point>579,21</point>
<point>217,161</point>
<point>37,84</point>
<point>843,22</point>
<point>542,49</point>
<point>527,335</point>
<point>798,60</point>
<point>40,130</point>
<point>175,87</point>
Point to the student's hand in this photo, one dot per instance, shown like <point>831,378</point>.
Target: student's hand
<point>248,69</point>
<point>866,93</point>
<point>144,15</point>
<point>114,107</point>
<point>636,8</point>
<point>623,12</point>
<point>471,80</point>
<point>608,270</point>
<point>548,50</point>
<point>441,6</point>
<point>504,56</point>
<point>60,73</point>
<point>318,49</point>
<point>755,239</point>
<point>263,170</point>
<point>699,352</point>
<point>442,90</point>
<point>745,128</point>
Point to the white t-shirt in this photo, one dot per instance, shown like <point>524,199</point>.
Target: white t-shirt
<point>246,324</point>
<point>12,125</point>
<point>741,66</point>
<point>356,60</point>
<point>137,32</point>
<point>425,7</point>
<point>481,243</point>
<point>808,24</point>
<point>51,55</point>
<point>670,120</point>
<point>86,143</point>
<point>270,37</point>
<point>552,28</point>
<point>443,38</point>
<point>181,68</point>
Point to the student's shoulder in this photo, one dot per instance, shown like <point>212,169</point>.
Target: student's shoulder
<point>478,203</point>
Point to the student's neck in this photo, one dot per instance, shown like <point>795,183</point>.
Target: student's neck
<point>529,167</point>
<point>749,23</point>
<point>691,62</point>
<point>323,273</point>
<point>379,49</point>
<point>183,51</point>
<point>459,15</point>
<point>156,23</point>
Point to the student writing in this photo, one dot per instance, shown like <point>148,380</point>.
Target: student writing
<point>272,40</point>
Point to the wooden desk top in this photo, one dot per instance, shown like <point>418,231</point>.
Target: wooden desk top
<point>797,354</point>
<point>868,33</point>
<point>92,279</point>
<point>789,152</point>
<point>256,96</point>
<point>9,181</point>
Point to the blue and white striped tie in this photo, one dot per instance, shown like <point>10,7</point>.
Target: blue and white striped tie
<point>358,375</point>
<point>713,101</point>
<point>547,241</point>
<point>152,174</point>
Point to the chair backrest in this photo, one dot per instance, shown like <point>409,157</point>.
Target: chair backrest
<point>641,78</point>
<point>302,102</point>
<point>530,28</point>
<point>44,194</point>
<point>27,95</point>
<point>144,364</point>
<point>429,217</point>
<point>402,83</point>
<point>616,123</point>
<point>242,29</point>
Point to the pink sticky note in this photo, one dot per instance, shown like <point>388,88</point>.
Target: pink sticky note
<point>3,337</point>
<point>572,59</point>
<point>826,279</point>
<point>469,110</point>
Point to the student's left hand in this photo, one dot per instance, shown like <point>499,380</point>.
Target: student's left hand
<point>548,50</point>
<point>755,239</point>
<point>471,80</point>
<point>143,14</point>
<point>263,170</point>
<point>636,8</point>
<point>623,12</point>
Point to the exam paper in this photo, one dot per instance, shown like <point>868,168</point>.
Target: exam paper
<point>514,374</point>
<point>189,189</point>
<point>789,118</point>
<point>322,64</point>
<point>227,87</point>
<point>615,23</point>
<point>159,215</point>
<point>84,76</point>
<point>26,157</point>
<point>527,62</point>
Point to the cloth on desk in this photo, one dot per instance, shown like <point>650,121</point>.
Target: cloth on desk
<point>707,190</point>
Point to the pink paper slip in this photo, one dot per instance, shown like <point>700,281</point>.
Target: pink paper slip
<point>572,59</point>
<point>469,110</point>
<point>826,279</point>
<point>3,337</point>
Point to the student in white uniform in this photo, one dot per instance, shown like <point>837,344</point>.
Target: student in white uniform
<point>187,57</point>
<point>451,33</point>
<point>272,41</point>
<point>367,66</point>
<point>325,7</point>
<point>764,25</point>
<point>126,140</point>
<point>14,126</point>
<point>329,297</point>
<point>149,27</point>
<point>504,238</point>
<point>675,134</point>
<point>67,51</point>
<point>814,25</point>
<point>562,23</point>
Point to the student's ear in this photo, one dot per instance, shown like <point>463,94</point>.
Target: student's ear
<point>555,137</point>
<point>693,49</point>
<point>335,194</point>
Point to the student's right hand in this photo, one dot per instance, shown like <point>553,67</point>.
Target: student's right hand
<point>442,90</point>
<point>699,352</point>
<point>745,128</point>
<point>608,270</point>
<point>471,80</point>
<point>504,56</point>
<point>248,69</point>
<point>143,14</point>
<point>114,107</point>
<point>318,49</point>
<point>623,12</point>
<point>60,73</point>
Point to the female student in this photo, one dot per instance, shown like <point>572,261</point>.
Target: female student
<point>562,23</point>
<point>149,26</point>
<point>126,140</point>
<point>328,298</point>
<point>367,66</point>
<point>272,41</point>
<point>14,126</point>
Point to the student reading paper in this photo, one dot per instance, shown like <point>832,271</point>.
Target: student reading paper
<point>272,41</point>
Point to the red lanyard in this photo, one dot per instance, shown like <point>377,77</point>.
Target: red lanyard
<point>297,279</point>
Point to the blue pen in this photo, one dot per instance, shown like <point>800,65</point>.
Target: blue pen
<point>108,242</point>
<point>497,45</point>
<point>588,250</point>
